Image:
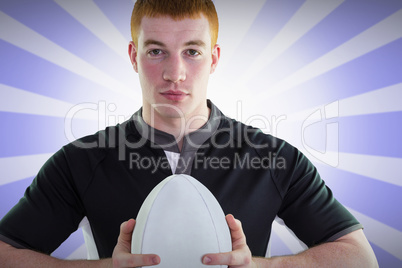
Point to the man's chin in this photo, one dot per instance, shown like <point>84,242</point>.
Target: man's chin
<point>167,112</point>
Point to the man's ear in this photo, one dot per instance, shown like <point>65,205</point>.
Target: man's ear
<point>132,53</point>
<point>216,54</point>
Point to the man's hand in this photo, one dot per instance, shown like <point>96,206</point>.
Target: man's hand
<point>350,250</point>
<point>122,256</point>
<point>240,256</point>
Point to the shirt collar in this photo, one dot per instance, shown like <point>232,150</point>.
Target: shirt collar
<point>191,142</point>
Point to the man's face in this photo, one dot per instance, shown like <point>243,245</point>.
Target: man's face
<point>174,60</point>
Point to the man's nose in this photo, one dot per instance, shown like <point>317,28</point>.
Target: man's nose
<point>175,70</point>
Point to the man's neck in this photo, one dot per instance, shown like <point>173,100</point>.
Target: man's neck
<point>178,126</point>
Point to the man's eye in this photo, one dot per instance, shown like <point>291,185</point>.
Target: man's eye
<point>155,52</point>
<point>193,52</point>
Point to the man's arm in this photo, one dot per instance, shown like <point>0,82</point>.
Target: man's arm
<point>12,257</point>
<point>351,250</point>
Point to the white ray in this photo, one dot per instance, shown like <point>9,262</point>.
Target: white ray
<point>16,100</point>
<point>384,236</point>
<point>287,236</point>
<point>232,29</point>
<point>21,36</point>
<point>79,254</point>
<point>384,169</point>
<point>384,100</point>
<point>21,167</point>
<point>308,16</point>
<point>92,17</point>
<point>382,33</point>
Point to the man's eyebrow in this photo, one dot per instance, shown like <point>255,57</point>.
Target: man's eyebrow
<point>196,43</point>
<point>153,42</point>
<point>189,43</point>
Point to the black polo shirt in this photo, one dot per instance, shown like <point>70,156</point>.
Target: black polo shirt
<point>106,177</point>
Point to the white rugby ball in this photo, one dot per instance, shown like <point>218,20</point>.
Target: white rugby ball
<point>181,221</point>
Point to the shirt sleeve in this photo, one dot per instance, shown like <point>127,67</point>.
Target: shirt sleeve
<point>49,211</point>
<point>309,208</point>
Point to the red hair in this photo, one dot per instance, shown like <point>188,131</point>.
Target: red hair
<point>176,9</point>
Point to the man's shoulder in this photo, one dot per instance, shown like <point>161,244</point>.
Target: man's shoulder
<point>96,146</point>
<point>108,138</point>
<point>248,135</point>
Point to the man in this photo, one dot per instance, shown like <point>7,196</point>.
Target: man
<point>254,176</point>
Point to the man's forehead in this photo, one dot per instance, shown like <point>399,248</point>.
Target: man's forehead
<point>158,27</point>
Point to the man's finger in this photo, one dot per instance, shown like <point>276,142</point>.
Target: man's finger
<point>122,256</point>
<point>227,258</point>
<point>136,260</point>
<point>126,231</point>
<point>233,224</point>
<point>236,232</point>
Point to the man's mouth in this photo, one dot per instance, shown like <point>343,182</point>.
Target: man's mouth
<point>174,95</point>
